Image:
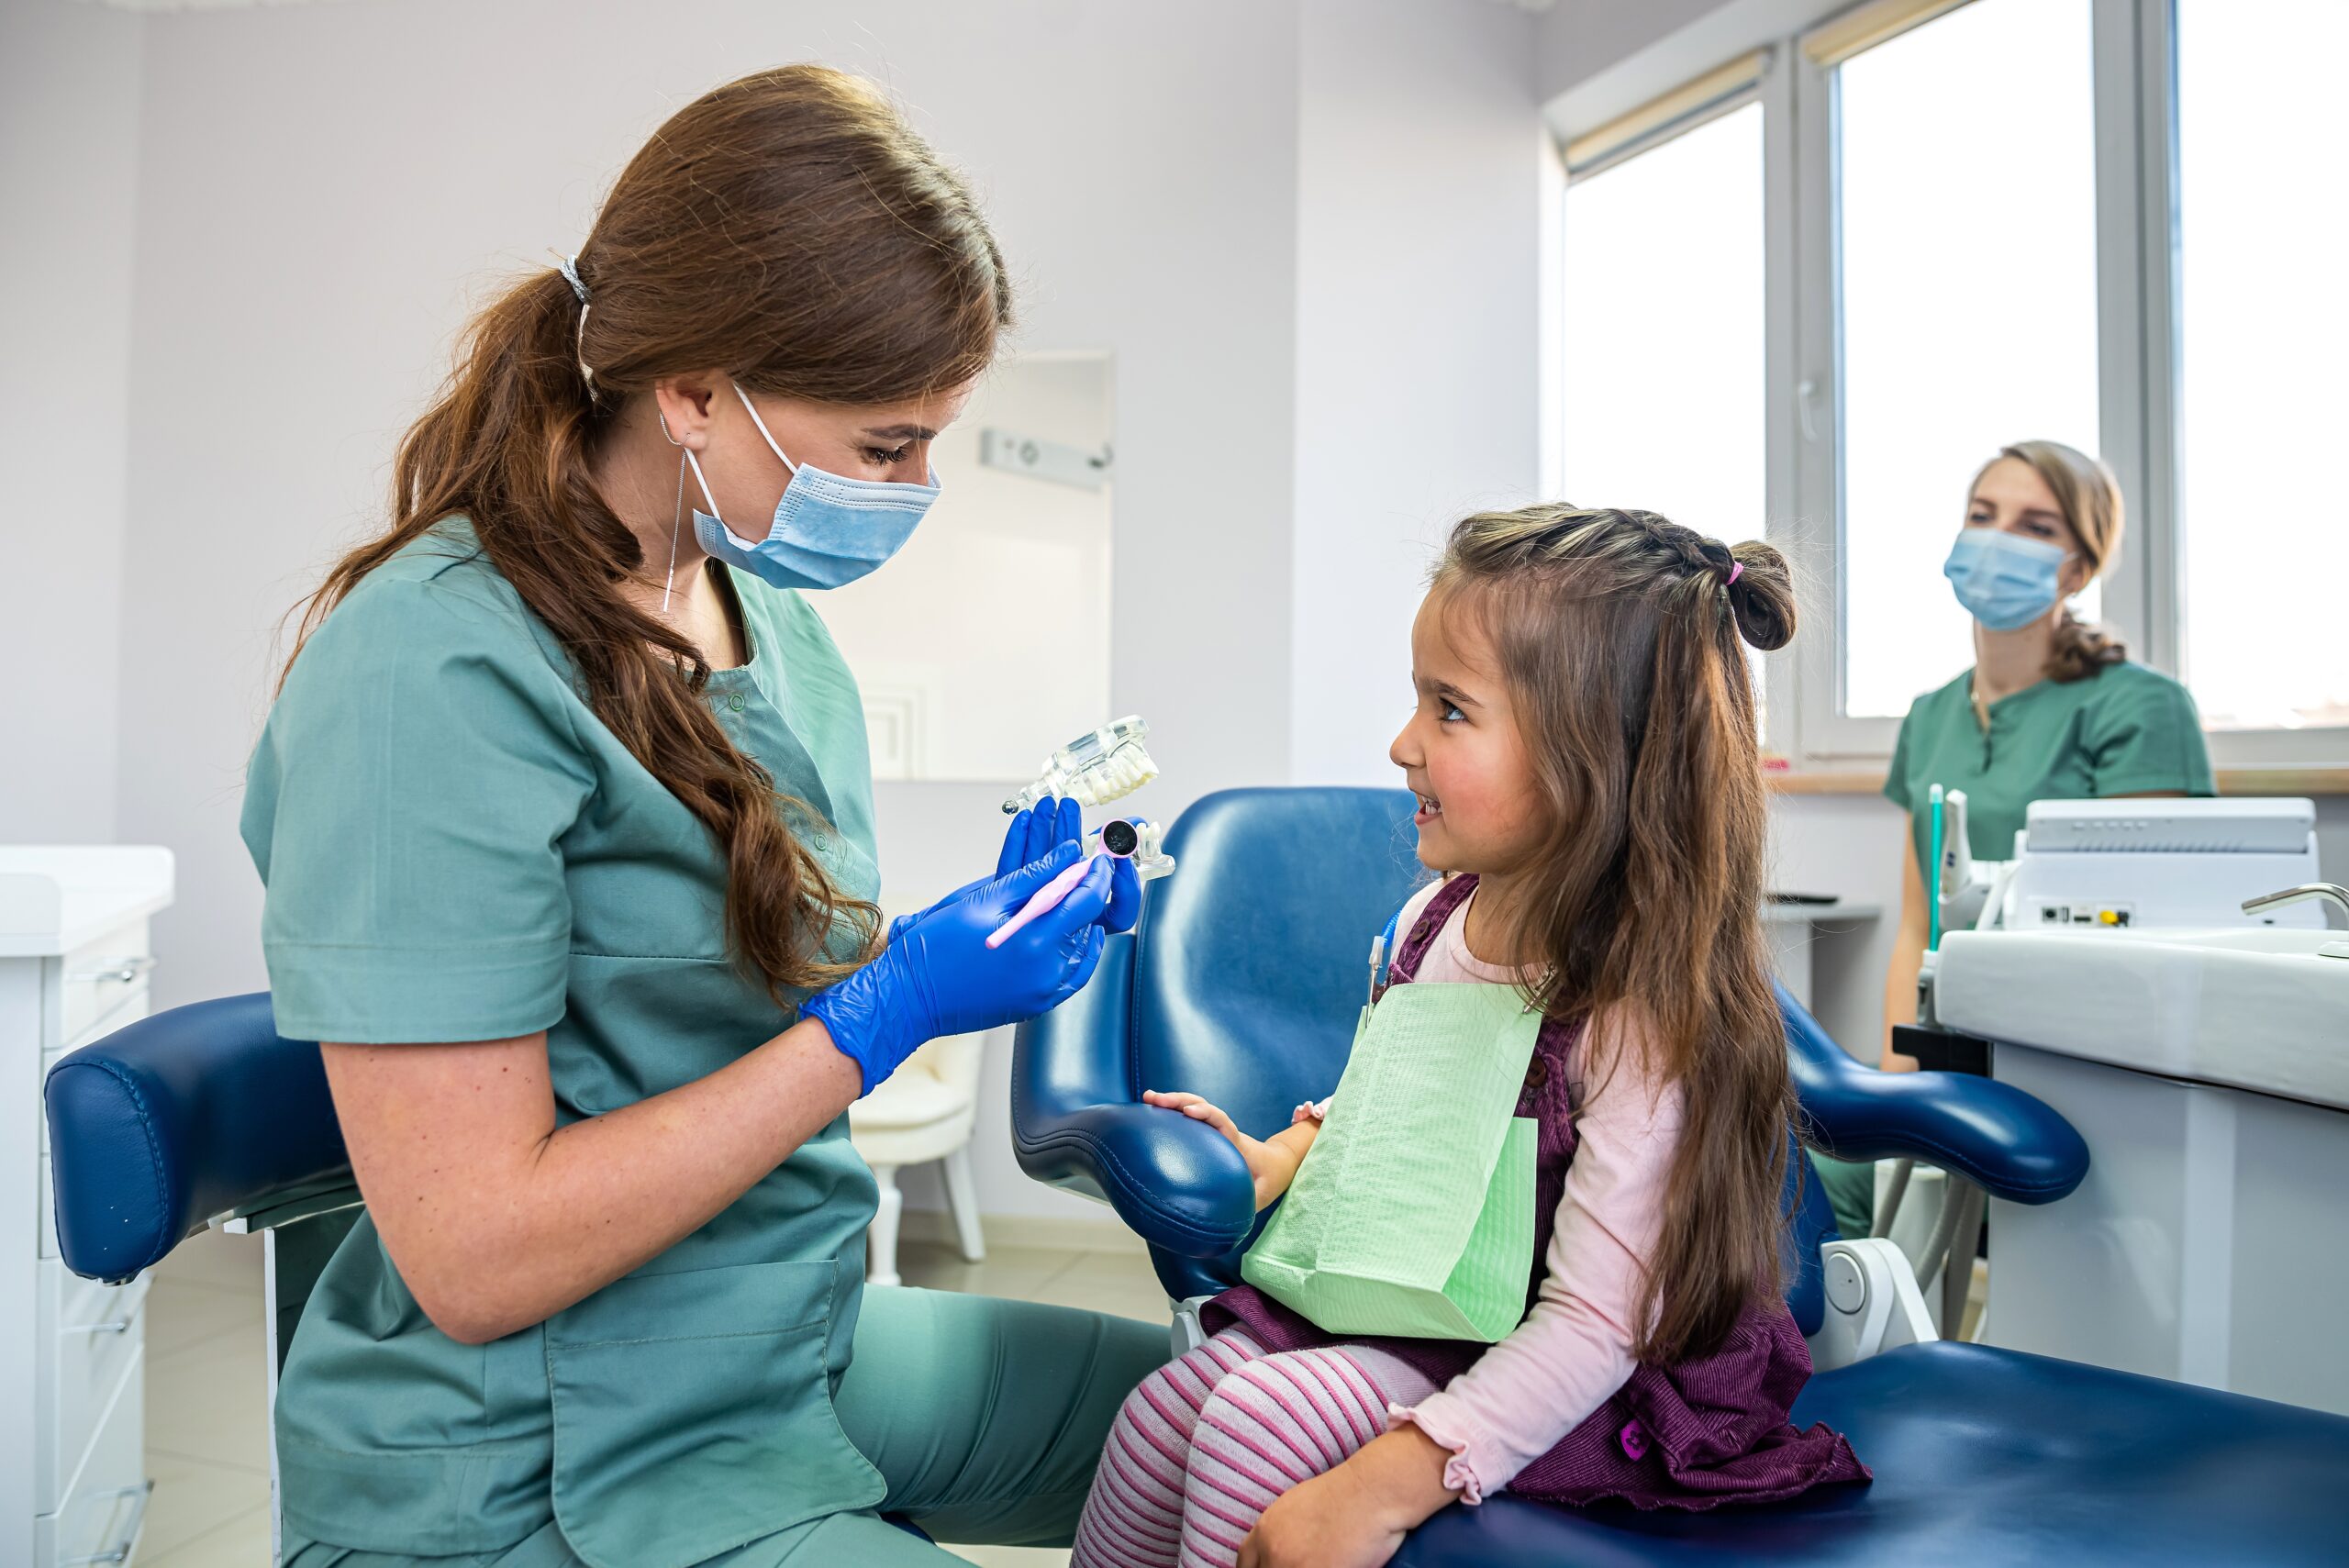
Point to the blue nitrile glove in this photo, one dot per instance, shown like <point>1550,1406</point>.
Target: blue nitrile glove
<point>1034,833</point>
<point>1059,820</point>
<point>938,977</point>
<point>1125,898</point>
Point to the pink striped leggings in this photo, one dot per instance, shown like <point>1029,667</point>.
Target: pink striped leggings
<point>1204,1445</point>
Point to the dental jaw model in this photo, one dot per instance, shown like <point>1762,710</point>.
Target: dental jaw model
<point>1093,769</point>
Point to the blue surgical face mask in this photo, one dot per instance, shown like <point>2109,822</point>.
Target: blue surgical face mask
<point>2004,580</point>
<point>828,531</point>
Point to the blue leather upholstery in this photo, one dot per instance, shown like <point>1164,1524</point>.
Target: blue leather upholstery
<point>1993,1134</point>
<point>1981,1457</point>
<point>1242,984</point>
<point>177,1118</point>
<point>1811,1223</point>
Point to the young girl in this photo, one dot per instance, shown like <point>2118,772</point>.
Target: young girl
<point>1585,757</point>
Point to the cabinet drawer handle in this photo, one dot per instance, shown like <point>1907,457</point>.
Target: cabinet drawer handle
<point>121,971</point>
<point>132,1528</point>
<point>119,1326</point>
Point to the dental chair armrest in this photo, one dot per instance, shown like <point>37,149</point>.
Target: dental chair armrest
<point>199,1111</point>
<point>2003,1140</point>
<point>1178,1184</point>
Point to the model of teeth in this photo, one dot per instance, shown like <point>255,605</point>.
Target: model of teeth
<point>1097,779</point>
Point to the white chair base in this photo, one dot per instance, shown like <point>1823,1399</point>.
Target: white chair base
<point>923,1113</point>
<point>962,1205</point>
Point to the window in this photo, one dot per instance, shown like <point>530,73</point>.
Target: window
<point>1663,392</point>
<point>1967,208</point>
<point>1823,283</point>
<point>2263,547</point>
<point>1664,387</point>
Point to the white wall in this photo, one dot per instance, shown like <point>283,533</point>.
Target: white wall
<point>318,187</point>
<point>988,694</point>
<point>1419,163</point>
<point>69,123</point>
<point>1416,194</point>
<point>325,190</point>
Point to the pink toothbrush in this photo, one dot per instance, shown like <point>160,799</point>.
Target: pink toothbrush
<point>1118,842</point>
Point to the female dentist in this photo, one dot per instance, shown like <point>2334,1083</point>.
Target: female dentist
<point>565,818</point>
<point>2052,709</point>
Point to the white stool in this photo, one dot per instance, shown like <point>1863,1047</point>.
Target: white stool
<point>923,1112</point>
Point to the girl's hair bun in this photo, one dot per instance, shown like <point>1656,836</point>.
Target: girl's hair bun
<point>1761,597</point>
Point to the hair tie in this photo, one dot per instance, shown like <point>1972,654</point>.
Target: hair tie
<point>569,267</point>
<point>1734,569</point>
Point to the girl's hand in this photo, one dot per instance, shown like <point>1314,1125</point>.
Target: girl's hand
<point>1322,1523</point>
<point>1273,1162</point>
<point>1356,1515</point>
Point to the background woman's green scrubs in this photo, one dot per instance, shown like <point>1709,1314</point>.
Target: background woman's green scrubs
<point>456,849</point>
<point>2123,730</point>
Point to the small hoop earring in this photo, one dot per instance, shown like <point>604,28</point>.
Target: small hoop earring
<point>666,436</point>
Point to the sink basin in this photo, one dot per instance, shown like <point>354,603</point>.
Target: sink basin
<point>2256,1007</point>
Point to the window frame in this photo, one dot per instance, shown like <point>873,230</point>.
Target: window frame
<point>2134,112</point>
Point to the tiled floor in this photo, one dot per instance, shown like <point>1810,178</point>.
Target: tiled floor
<point>206,1444</point>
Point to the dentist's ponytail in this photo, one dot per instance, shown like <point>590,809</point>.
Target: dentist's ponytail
<point>1622,639</point>
<point>788,229</point>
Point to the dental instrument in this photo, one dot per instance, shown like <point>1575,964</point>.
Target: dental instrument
<point>1095,769</point>
<point>1116,840</point>
<point>1137,838</point>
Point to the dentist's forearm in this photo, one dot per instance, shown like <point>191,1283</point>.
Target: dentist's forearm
<point>497,1219</point>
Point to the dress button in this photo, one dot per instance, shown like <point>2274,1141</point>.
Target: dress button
<point>1634,1439</point>
<point>1537,1072</point>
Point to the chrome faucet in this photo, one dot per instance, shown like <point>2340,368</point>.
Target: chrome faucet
<point>2335,896</point>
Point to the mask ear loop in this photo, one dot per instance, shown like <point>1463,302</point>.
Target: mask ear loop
<point>788,466</point>
<point>677,512</point>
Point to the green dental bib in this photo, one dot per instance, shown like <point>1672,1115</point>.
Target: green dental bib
<point>1413,1212</point>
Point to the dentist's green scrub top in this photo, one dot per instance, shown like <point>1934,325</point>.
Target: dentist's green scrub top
<point>2123,730</point>
<point>456,849</point>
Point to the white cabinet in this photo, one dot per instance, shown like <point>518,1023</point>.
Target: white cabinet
<point>74,965</point>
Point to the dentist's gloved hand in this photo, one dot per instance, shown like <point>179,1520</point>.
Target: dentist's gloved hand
<point>1059,820</point>
<point>938,977</point>
<point>1035,832</point>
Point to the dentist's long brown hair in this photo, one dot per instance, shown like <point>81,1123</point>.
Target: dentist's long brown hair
<point>1623,643</point>
<point>791,229</point>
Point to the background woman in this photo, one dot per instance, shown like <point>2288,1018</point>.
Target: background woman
<point>2052,709</point>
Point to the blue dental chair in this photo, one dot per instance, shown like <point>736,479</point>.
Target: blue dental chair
<point>1242,984</point>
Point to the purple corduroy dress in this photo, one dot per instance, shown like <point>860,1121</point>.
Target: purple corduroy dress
<point>1703,1431</point>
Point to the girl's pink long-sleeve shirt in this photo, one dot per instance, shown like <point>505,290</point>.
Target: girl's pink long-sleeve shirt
<point>1573,1349</point>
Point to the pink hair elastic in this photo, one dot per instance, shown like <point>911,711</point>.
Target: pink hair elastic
<point>1733,571</point>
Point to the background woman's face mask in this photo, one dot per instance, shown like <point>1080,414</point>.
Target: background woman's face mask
<point>2004,580</point>
<point>827,530</point>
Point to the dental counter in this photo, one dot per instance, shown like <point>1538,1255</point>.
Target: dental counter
<point>75,966</point>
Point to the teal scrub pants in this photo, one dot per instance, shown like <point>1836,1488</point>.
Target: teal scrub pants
<point>1851,1193</point>
<point>985,1417</point>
